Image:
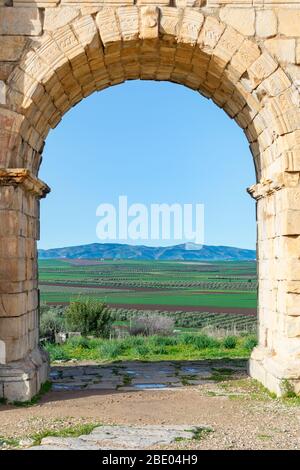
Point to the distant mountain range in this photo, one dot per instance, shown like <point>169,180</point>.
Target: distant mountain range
<point>187,252</point>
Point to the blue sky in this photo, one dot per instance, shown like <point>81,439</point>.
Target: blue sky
<point>155,142</point>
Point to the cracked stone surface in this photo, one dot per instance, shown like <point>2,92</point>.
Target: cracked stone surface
<point>122,437</point>
<point>141,376</point>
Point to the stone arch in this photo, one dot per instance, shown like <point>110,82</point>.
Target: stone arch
<point>183,45</point>
<point>179,45</point>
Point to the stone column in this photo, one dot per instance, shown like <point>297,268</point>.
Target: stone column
<point>276,360</point>
<point>23,365</point>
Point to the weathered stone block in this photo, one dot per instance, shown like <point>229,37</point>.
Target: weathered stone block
<point>58,17</point>
<point>227,45</point>
<point>245,56</point>
<point>282,48</point>
<point>12,270</point>
<point>241,19</point>
<point>108,26</point>
<point>129,22</point>
<point>13,305</point>
<point>149,16</point>
<point>36,3</point>
<point>266,23</point>
<point>12,247</point>
<point>154,2</point>
<point>19,389</point>
<point>276,83</point>
<point>288,22</point>
<point>169,22</point>
<point>262,68</point>
<point>20,21</point>
<point>14,327</point>
<point>210,34</point>
<point>11,47</point>
<point>190,26</point>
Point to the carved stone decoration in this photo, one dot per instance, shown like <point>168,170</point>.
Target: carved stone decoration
<point>129,22</point>
<point>108,26</point>
<point>23,177</point>
<point>264,188</point>
<point>170,22</point>
<point>149,22</point>
<point>210,34</point>
<point>190,26</point>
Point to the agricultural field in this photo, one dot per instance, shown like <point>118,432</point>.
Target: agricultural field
<point>196,294</point>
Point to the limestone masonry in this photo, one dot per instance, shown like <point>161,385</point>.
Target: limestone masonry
<point>244,55</point>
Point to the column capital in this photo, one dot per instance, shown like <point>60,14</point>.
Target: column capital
<point>24,178</point>
<point>264,188</point>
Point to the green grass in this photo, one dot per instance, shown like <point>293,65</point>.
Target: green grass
<point>198,434</point>
<point>8,441</point>
<point>212,284</point>
<point>155,348</point>
<point>72,431</point>
<point>186,298</point>
<point>201,432</point>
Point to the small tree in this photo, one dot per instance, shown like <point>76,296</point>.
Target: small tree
<point>89,317</point>
<point>152,325</point>
<point>52,321</point>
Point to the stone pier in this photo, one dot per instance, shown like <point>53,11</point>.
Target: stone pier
<point>23,365</point>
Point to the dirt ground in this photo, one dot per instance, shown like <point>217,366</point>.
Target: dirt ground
<point>240,414</point>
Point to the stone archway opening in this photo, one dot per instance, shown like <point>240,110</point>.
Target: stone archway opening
<point>188,46</point>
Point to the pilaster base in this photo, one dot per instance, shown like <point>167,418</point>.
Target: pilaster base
<point>22,380</point>
<point>277,374</point>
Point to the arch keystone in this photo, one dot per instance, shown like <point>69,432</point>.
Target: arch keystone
<point>149,22</point>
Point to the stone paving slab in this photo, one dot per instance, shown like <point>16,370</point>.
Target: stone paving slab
<point>122,437</point>
<point>128,376</point>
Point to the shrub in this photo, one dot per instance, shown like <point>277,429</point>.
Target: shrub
<point>132,341</point>
<point>141,350</point>
<point>151,325</point>
<point>90,317</point>
<point>204,342</point>
<point>160,350</point>
<point>230,342</point>
<point>57,353</point>
<point>199,341</point>
<point>111,349</point>
<point>187,339</point>
<point>250,342</point>
<point>80,341</point>
<point>164,341</point>
<point>52,321</point>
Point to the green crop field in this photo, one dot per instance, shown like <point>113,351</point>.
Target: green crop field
<point>197,290</point>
